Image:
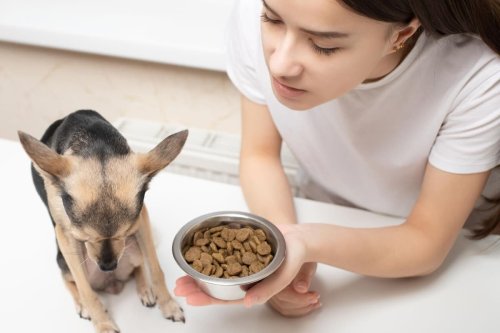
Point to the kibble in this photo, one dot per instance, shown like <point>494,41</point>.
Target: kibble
<point>206,259</point>
<point>193,254</point>
<point>263,249</point>
<point>219,257</point>
<point>248,258</point>
<point>197,265</point>
<point>228,252</point>
<point>201,242</point>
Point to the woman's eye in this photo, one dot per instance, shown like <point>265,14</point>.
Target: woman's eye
<point>324,50</point>
<point>267,19</point>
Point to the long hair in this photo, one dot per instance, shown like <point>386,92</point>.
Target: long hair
<point>489,209</point>
<point>439,17</point>
<point>490,224</point>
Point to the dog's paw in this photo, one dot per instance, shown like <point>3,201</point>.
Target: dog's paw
<point>172,311</point>
<point>107,327</point>
<point>148,298</point>
<point>82,312</point>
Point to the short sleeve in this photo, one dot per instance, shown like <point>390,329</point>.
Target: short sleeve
<point>243,47</point>
<point>469,138</point>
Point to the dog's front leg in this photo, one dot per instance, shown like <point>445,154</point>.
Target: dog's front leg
<point>89,299</point>
<point>168,306</point>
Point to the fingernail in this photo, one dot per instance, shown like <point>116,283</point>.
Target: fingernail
<point>250,301</point>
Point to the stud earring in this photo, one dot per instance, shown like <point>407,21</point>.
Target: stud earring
<point>400,46</point>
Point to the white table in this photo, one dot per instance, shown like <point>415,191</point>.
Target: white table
<point>463,296</point>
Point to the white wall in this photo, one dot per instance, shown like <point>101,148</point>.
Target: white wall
<point>179,32</point>
<point>144,59</point>
<point>38,86</point>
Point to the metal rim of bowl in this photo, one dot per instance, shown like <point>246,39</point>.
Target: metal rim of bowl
<point>278,258</point>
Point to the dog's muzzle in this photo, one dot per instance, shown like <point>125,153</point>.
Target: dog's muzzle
<point>107,266</point>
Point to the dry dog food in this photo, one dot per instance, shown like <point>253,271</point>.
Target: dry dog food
<point>227,252</point>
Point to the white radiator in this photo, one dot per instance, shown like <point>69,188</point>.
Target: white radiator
<point>207,154</point>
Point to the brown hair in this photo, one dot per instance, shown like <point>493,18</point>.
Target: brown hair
<point>488,211</point>
<point>491,223</point>
<point>439,17</point>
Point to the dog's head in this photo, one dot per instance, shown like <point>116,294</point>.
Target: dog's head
<point>99,197</point>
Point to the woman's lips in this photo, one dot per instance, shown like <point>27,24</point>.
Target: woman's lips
<point>286,91</point>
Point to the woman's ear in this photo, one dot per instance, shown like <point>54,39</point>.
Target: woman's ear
<point>402,33</point>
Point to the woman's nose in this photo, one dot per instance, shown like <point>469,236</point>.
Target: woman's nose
<point>283,62</point>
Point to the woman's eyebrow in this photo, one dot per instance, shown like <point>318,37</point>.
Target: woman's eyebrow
<point>320,34</point>
<point>326,34</point>
<point>269,8</point>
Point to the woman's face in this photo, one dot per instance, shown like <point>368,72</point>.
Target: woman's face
<point>317,50</point>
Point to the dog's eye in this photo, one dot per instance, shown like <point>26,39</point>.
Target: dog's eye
<point>67,201</point>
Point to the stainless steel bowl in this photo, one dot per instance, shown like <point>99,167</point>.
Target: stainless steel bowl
<point>228,289</point>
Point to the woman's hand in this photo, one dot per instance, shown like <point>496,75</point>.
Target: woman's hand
<point>287,290</point>
<point>187,287</point>
<point>296,300</point>
<point>289,275</point>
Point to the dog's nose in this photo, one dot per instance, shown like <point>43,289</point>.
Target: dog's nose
<point>107,266</point>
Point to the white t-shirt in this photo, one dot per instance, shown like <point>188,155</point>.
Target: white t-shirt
<point>369,147</point>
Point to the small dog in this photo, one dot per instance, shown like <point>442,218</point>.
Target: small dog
<point>93,186</point>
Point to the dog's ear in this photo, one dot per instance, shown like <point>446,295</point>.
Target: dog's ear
<point>47,159</point>
<point>164,153</point>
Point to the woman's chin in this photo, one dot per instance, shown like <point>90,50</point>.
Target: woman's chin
<point>296,104</point>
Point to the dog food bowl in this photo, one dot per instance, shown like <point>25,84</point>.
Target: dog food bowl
<point>233,288</point>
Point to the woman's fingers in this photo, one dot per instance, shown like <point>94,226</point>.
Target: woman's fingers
<point>264,290</point>
<point>199,298</point>
<point>302,281</point>
<point>292,303</point>
<point>184,279</point>
<point>185,288</point>
<point>287,311</point>
<point>292,299</point>
<point>188,288</point>
<point>291,268</point>
<point>288,302</point>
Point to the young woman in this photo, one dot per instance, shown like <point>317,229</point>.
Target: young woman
<point>392,106</point>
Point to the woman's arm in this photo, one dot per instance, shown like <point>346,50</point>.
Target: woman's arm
<point>416,247</point>
<point>268,194</point>
<point>263,180</point>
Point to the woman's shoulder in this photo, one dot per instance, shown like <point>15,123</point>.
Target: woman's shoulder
<point>461,63</point>
<point>467,51</point>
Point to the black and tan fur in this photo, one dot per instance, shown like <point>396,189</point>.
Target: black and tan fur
<point>93,186</point>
